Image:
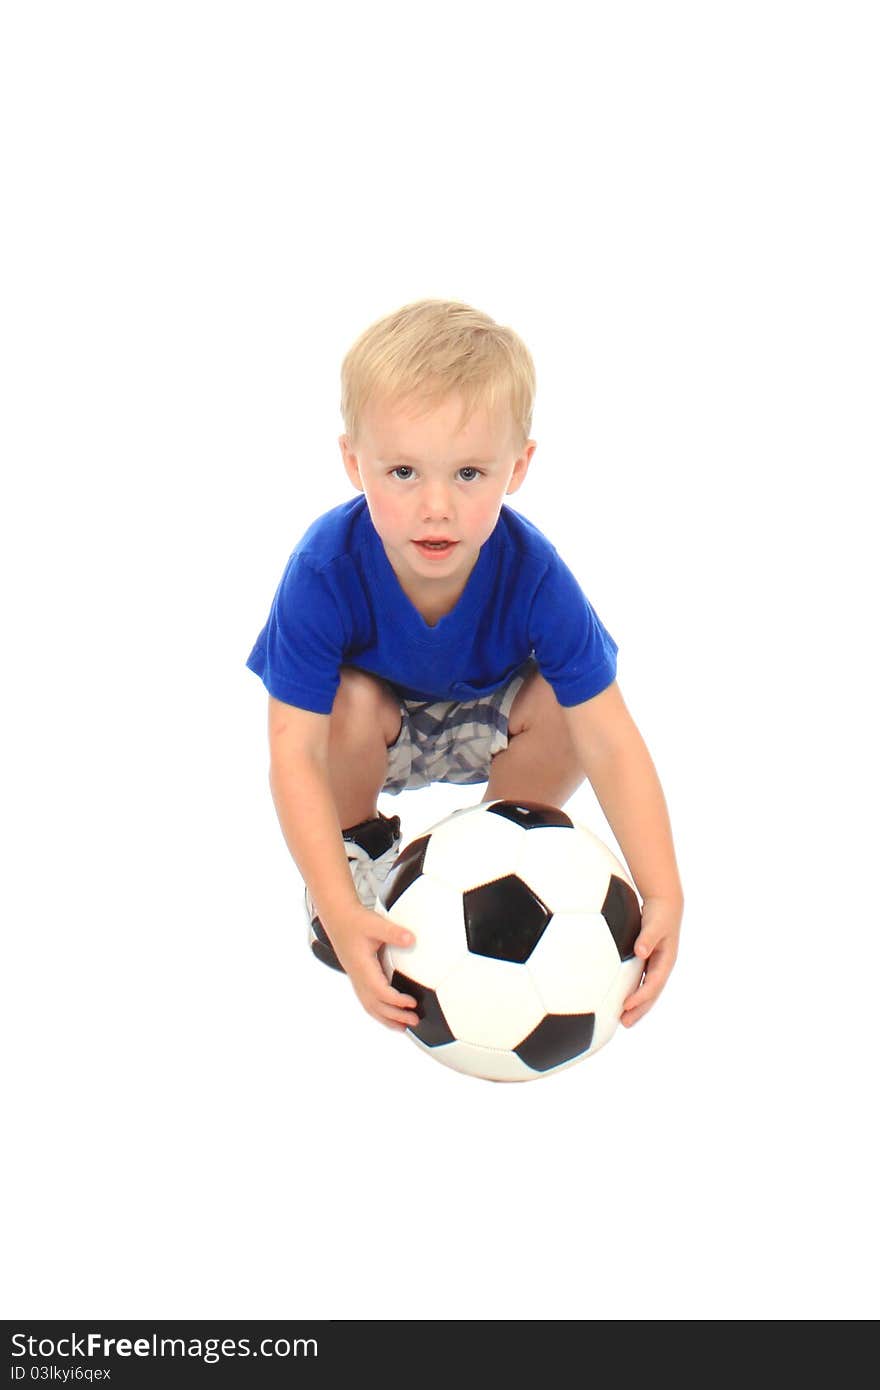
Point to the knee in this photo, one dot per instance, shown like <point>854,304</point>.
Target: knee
<point>364,702</point>
<point>535,704</point>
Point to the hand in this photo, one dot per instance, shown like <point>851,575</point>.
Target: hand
<point>357,938</point>
<point>657,944</point>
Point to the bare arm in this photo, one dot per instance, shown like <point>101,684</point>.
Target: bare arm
<point>622,774</point>
<point>300,783</point>
<point>617,762</point>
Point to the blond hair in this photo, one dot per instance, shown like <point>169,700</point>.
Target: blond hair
<point>431,348</point>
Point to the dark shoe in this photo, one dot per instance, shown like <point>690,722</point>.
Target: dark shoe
<point>372,848</point>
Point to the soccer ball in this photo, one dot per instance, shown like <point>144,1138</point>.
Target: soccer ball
<point>525,924</point>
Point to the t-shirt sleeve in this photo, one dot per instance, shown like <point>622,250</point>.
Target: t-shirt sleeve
<point>300,650</point>
<point>575,652</point>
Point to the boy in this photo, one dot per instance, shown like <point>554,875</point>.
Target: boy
<point>423,631</point>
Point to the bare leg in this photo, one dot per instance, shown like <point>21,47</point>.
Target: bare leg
<point>540,762</point>
<point>364,720</point>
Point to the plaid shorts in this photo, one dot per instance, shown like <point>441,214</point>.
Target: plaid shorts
<point>451,740</point>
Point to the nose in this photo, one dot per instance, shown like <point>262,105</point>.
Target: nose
<point>436,505</point>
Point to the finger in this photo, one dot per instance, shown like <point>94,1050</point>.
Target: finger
<point>398,1019</point>
<point>632,1016</point>
<point>393,933</point>
<point>645,994</point>
<point>657,969</point>
<point>403,1001</point>
<point>646,942</point>
<point>634,1007</point>
<point>385,991</point>
<point>651,936</point>
<point>405,1017</point>
<point>390,1014</point>
<point>643,997</point>
<point>402,1008</point>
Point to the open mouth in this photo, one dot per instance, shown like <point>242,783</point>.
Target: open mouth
<point>435,547</point>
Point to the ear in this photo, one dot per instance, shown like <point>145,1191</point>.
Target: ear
<point>521,467</point>
<point>350,463</point>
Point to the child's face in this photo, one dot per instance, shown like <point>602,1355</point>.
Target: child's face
<point>425,479</point>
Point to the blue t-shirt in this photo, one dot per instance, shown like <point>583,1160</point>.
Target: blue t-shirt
<point>340,603</point>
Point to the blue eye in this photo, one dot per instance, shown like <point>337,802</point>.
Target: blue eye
<point>466,468</point>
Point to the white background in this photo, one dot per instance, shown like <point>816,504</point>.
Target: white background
<point>676,207</point>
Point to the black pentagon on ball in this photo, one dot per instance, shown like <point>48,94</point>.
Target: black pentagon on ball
<point>623,915</point>
<point>531,815</point>
<point>433,1030</point>
<point>504,919</point>
<point>557,1039</point>
<point>407,867</point>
